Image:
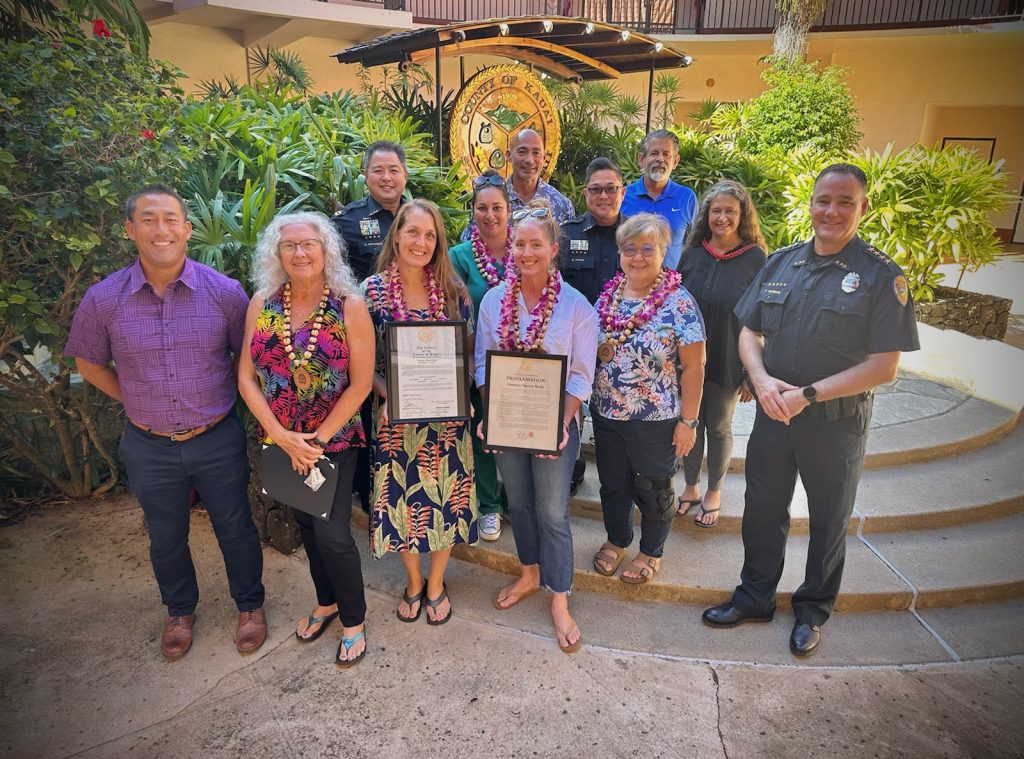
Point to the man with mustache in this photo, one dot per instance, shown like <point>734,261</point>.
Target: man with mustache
<point>655,192</point>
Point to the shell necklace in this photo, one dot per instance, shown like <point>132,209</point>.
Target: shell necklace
<point>299,364</point>
<point>540,315</point>
<point>485,262</point>
<point>396,296</point>
<point>617,329</point>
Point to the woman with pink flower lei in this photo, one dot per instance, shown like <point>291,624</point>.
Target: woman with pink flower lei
<point>481,262</point>
<point>423,493</point>
<point>534,311</point>
<point>650,375</point>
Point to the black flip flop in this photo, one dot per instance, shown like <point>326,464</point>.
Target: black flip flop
<point>681,512</point>
<point>418,598</point>
<point>433,604</point>
<point>703,511</point>
<point>311,620</point>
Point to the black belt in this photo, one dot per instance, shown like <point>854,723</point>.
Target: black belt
<point>838,408</point>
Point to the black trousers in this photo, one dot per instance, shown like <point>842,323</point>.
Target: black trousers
<point>332,552</point>
<point>829,456</point>
<point>627,451</point>
<point>161,474</point>
<point>363,473</point>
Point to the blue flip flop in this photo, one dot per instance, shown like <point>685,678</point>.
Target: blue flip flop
<point>347,643</point>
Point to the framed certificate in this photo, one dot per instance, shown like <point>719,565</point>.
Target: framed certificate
<point>525,401</point>
<point>426,372</point>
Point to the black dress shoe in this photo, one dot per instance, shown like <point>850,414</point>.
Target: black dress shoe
<point>727,615</point>
<point>805,639</point>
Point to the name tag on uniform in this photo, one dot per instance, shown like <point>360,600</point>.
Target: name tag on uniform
<point>579,244</point>
<point>369,227</point>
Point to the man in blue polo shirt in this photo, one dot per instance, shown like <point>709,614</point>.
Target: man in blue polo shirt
<point>655,192</point>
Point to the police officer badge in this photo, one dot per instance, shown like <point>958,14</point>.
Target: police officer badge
<point>369,227</point>
<point>850,282</point>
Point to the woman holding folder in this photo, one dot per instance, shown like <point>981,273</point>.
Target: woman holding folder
<point>534,311</point>
<point>308,367</point>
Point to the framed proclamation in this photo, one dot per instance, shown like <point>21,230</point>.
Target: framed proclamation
<point>426,372</point>
<point>525,401</point>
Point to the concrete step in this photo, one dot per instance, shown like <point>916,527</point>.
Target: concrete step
<point>948,567</point>
<point>901,434</point>
<point>979,486</point>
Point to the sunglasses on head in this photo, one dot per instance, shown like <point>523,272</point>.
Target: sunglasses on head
<point>493,179</point>
<point>535,213</point>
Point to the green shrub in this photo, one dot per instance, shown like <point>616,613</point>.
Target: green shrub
<point>83,123</point>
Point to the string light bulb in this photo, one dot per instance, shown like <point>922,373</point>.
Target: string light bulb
<point>548,26</point>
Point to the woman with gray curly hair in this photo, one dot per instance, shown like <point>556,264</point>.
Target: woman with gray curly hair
<point>307,370</point>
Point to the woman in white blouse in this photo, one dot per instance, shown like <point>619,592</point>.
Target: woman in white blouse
<point>533,310</point>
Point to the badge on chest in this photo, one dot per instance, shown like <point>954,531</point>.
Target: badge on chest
<point>583,245</point>
<point>850,282</point>
<point>369,228</point>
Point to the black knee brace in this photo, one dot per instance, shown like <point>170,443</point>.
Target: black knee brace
<point>655,497</point>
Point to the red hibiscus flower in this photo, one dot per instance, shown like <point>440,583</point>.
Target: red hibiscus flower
<point>148,134</point>
<point>100,29</point>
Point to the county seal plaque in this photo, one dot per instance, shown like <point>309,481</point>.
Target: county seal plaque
<point>492,107</point>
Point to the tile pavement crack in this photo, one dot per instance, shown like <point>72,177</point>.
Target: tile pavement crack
<point>718,710</point>
<point>243,668</point>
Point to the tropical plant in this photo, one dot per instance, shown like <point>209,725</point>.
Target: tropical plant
<point>83,123</point>
<point>666,93</point>
<point>927,207</point>
<point>25,19</point>
<point>801,106</point>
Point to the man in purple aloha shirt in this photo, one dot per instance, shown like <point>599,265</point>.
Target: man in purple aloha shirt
<point>161,336</point>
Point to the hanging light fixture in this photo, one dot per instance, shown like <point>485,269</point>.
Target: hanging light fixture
<point>588,28</point>
<point>548,26</point>
<point>625,35</point>
<point>503,29</point>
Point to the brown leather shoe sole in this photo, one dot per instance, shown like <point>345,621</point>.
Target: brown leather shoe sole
<point>251,632</point>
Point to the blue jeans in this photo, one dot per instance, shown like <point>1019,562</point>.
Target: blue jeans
<point>538,505</point>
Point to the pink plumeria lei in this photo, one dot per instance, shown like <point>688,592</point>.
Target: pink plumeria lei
<point>540,315</point>
<point>608,304</point>
<point>485,262</point>
<point>396,297</point>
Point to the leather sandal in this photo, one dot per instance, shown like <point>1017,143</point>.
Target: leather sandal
<point>433,603</point>
<point>311,620</point>
<point>346,645</point>
<point>569,648</point>
<point>611,555</point>
<point>685,504</point>
<point>513,597</point>
<point>645,566</point>
<point>410,600</point>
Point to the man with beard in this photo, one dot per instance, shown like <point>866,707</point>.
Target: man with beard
<point>655,192</point>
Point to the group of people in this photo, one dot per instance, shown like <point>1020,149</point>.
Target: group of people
<point>664,308</point>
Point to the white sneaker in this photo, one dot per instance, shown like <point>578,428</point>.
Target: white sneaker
<point>490,526</point>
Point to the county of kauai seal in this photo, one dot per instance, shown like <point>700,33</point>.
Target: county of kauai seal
<point>492,107</point>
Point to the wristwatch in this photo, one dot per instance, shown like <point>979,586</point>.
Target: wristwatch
<point>810,393</point>
<point>691,423</point>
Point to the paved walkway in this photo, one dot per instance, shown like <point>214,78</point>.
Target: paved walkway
<point>81,674</point>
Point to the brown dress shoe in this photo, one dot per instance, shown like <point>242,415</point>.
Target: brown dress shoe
<point>177,637</point>
<point>251,631</point>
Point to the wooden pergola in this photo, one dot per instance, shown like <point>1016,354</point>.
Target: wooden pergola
<point>571,49</point>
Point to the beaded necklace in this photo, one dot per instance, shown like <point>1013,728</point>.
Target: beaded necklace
<point>617,329</point>
<point>485,262</point>
<point>396,296</point>
<point>300,372</point>
<point>731,254</point>
<point>540,315</point>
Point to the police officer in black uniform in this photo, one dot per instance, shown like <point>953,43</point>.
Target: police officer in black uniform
<point>364,223</point>
<point>590,256</point>
<point>824,324</point>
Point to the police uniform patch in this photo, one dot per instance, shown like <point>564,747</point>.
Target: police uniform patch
<point>850,282</point>
<point>369,227</point>
<point>899,286</point>
<point>579,244</point>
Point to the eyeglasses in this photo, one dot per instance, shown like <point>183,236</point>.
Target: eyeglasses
<point>493,179</point>
<point>647,251</point>
<point>606,190</point>
<point>535,213</point>
<point>308,246</point>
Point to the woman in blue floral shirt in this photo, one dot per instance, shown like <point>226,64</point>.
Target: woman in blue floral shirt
<point>647,390</point>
